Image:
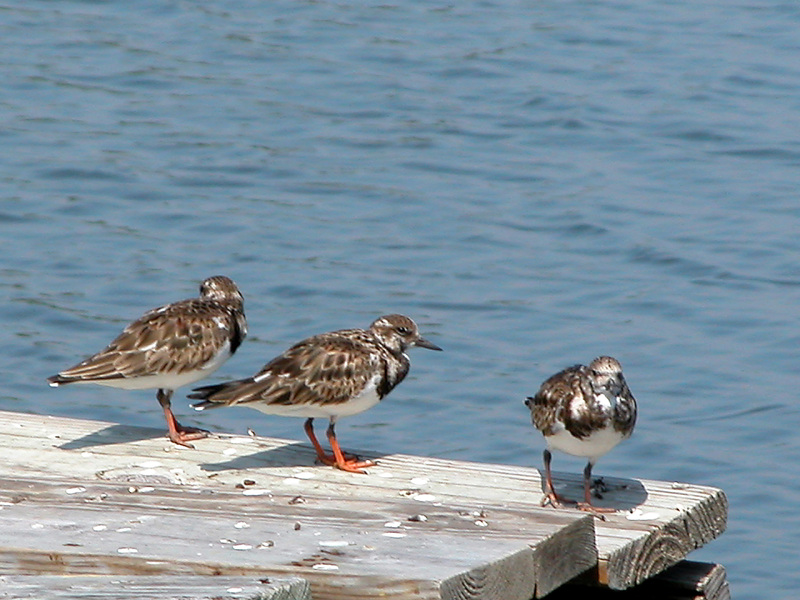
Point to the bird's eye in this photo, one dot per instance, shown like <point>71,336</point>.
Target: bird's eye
<point>403,330</point>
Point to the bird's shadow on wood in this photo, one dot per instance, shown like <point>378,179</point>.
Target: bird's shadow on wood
<point>294,454</point>
<point>113,434</point>
<point>607,492</point>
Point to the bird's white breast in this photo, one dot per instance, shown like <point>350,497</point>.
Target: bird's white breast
<point>598,442</point>
<point>367,398</point>
<point>169,380</point>
<point>595,445</point>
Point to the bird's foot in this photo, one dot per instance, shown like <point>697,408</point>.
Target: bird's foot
<point>349,462</point>
<point>183,435</point>
<point>555,500</point>
<point>355,465</point>
<point>597,511</point>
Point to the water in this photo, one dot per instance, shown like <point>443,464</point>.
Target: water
<point>535,183</point>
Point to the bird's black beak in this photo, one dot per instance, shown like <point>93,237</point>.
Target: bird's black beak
<point>423,343</point>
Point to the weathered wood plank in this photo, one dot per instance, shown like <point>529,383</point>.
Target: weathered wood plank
<point>151,587</point>
<point>64,526</point>
<point>142,504</point>
<point>658,524</point>
<point>665,522</point>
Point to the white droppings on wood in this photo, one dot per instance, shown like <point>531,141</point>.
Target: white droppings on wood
<point>638,514</point>
<point>393,524</point>
<point>127,550</point>
<point>420,480</point>
<point>334,543</point>
<point>143,518</point>
<point>255,492</point>
<point>325,567</point>
<point>424,497</point>
<point>76,490</point>
<point>241,525</point>
<point>304,475</point>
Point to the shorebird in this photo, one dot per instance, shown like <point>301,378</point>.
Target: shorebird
<point>583,411</point>
<point>331,375</point>
<point>168,347</point>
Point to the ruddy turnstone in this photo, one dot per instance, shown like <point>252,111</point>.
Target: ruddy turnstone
<point>168,347</point>
<point>583,411</point>
<point>331,375</point>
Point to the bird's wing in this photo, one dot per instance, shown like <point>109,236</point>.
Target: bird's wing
<point>174,339</point>
<point>324,369</point>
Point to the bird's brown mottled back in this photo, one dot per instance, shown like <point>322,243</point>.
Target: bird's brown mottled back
<point>173,339</point>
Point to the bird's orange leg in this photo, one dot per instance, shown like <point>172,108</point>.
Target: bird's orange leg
<point>550,496</point>
<point>345,462</point>
<point>177,433</point>
<point>324,458</point>
<point>587,505</point>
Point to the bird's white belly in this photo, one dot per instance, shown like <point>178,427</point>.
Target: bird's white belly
<point>594,446</point>
<point>364,400</point>
<point>166,381</point>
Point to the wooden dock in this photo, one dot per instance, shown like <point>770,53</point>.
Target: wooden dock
<point>100,502</point>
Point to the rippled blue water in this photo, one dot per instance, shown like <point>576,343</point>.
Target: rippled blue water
<point>535,183</point>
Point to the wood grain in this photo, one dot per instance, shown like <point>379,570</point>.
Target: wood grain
<point>146,587</point>
<point>414,526</point>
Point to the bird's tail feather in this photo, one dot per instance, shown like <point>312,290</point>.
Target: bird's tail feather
<point>214,396</point>
<point>57,380</point>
